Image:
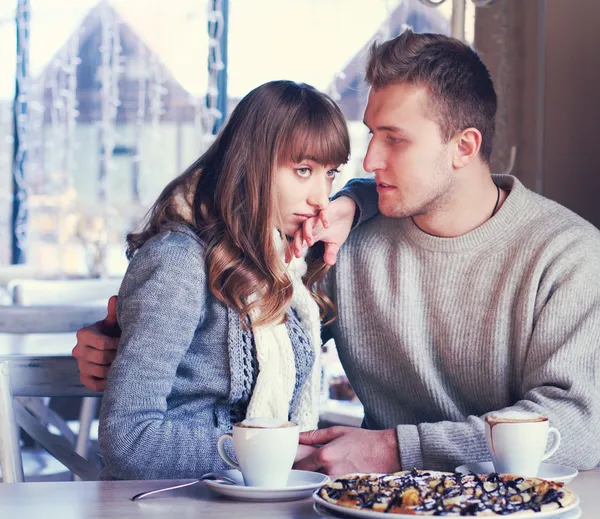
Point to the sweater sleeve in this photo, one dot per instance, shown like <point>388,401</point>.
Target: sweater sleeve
<point>560,373</point>
<point>364,193</point>
<point>161,304</point>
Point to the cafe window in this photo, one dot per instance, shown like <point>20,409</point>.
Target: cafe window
<point>116,97</point>
<point>112,103</point>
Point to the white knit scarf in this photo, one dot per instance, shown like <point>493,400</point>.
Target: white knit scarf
<point>276,377</point>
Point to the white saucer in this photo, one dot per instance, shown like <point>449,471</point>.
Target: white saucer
<point>550,471</point>
<point>301,484</point>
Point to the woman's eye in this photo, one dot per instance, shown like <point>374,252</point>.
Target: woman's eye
<point>332,173</point>
<point>393,139</point>
<point>303,172</point>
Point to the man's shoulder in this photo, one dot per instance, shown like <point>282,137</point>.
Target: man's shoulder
<point>553,222</point>
<point>554,239</point>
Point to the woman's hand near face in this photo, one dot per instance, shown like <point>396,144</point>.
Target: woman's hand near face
<point>331,226</point>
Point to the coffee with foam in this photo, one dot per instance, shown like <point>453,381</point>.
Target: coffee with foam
<point>265,423</point>
<point>514,417</point>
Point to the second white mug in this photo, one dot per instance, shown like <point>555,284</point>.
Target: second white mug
<point>517,441</point>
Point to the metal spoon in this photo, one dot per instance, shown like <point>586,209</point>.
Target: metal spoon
<point>211,475</point>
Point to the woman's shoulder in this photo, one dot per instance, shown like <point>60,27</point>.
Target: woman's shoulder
<point>176,236</point>
<point>176,248</point>
<point>179,237</point>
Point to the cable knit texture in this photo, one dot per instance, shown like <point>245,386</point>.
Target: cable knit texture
<point>435,332</point>
<point>185,369</point>
<point>276,378</point>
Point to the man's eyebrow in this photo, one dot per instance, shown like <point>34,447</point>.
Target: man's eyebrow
<point>388,128</point>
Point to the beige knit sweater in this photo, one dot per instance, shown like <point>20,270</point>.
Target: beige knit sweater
<point>435,332</point>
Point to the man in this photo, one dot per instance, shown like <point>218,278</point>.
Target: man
<point>467,294</point>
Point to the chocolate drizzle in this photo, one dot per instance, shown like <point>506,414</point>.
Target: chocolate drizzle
<point>441,494</point>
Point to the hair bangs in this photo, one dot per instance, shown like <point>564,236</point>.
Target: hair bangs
<point>226,196</point>
<point>321,136</point>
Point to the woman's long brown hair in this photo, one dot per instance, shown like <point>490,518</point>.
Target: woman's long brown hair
<point>226,195</point>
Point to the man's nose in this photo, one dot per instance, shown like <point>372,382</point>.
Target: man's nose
<point>373,160</point>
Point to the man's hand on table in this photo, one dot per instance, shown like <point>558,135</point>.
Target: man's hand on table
<point>96,348</point>
<point>304,451</point>
<point>345,450</point>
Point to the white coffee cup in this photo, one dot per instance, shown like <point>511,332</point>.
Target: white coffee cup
<point>265,449</point>
<point>517,441</point>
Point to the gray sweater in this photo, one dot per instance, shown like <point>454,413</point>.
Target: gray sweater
<point>185,367</point>
<point>435,332</point>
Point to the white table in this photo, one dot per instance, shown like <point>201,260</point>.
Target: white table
<point>107,499</point>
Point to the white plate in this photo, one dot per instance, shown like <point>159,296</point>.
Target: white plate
<point>572,513</point>
<point>550,471</point>
<point>326,509</point>
<point>301,484</point>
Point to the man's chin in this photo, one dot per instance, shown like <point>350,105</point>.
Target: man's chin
<point>393,211</point>
<point>390,210</point>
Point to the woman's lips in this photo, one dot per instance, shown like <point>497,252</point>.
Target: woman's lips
<point>303,217</point>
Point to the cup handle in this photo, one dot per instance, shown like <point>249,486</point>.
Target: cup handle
<point>221,448</point>
<point>554,432</point>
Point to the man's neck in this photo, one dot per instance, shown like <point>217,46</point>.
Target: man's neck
<point>469,205</point>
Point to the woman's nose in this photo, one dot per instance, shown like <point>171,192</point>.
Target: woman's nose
<point>319,194</point>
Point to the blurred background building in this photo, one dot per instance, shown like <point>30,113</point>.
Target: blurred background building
<point>116,97</point>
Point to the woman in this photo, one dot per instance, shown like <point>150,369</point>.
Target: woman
<point>215,326</point>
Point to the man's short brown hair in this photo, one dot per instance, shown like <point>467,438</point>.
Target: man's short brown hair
<point>461,92</point>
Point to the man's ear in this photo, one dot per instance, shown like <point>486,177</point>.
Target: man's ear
<point>467,146</point>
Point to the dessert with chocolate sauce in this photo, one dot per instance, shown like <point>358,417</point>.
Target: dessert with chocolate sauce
<point>418,492</point>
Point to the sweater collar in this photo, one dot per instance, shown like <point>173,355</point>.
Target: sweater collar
<point>497,230</point>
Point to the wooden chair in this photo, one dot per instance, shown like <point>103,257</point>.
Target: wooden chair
<point>36,377</point>
<point>24,377</point>
<point>68,292</point>
<point>63,292</point>
<point>48,319</point>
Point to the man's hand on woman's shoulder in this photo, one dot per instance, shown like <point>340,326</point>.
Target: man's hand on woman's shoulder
<point>96,348</point>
